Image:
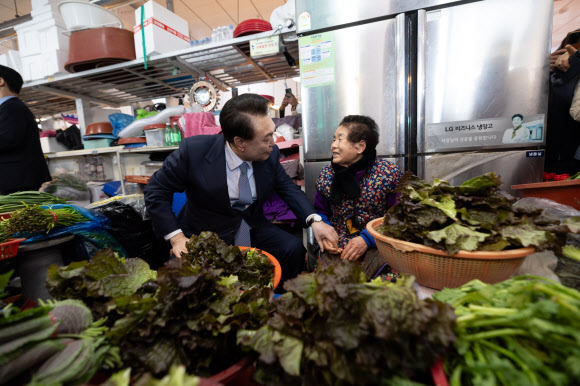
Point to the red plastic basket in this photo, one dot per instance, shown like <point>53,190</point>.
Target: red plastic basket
<point>9,248</point>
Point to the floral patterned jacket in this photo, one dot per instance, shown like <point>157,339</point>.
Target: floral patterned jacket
<point>349,219</point>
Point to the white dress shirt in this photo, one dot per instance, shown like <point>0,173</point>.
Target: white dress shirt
<point>233,172</point>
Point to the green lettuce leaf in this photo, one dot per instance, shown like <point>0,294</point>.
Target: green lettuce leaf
<point>458,237</point>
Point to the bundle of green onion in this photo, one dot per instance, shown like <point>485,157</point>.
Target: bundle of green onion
<point>33,219</point>
<point>19,200</point>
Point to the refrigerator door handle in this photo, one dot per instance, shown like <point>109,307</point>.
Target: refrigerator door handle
<point>421,78</point>
<point>401,83</point>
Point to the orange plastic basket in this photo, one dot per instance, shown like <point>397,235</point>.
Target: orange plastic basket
<point>436,269</point>
<point>274,261</point>
<point>9,248</point>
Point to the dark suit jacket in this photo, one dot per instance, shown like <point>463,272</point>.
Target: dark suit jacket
<point>198,167</point>
<point>22,163</point>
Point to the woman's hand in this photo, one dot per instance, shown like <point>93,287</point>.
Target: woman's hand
<point>563,62</point>
<point>356,247</point>
<point>554,57</point>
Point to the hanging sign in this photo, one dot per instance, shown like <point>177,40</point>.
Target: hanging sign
<point>265,46</point>
<point>317,66</point>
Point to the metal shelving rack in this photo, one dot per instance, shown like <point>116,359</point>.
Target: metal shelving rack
<point>226,63</point>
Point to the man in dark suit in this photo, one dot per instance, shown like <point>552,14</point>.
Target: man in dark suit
<point>218,172</point>
<point>22,164</point>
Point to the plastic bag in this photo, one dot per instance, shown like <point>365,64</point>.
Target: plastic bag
<point>119,121</point>
<point>135,201</point>
<point>551,209</point>
<point>134,233</point>
<point>136,127</point>
<point>88,242</point>
<point>68,186</point>
<point>96,221</point>
<point>567,270</point>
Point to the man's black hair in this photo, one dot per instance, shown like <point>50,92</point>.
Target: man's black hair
<point>518,115</point>
<point>362,128</point>
<point>12,78</point>
<point>235,117</point>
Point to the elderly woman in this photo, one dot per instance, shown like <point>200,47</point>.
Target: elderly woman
<point>355,188</point>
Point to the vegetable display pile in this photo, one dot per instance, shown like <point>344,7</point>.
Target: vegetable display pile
<point>334,328</point>
<point>523,331</point>
<point>33,218</point>
<point>251,267</point>
<point>19,200</point>
<point>184,313</point>
<point>193,321</point>
<point>99,280</point>
<point>53,344</point>
<point>474,216</point>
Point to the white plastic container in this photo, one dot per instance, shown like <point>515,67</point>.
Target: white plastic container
<point>155,137</point>
<point>81,15</point>
<point>164,30</point>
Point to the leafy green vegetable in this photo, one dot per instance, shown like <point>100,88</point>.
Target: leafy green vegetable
<point>332,327</point>
<point>476,216</point>
<point>251,267</point>
<point>98,280</point>
<point>193,321</point>
<point>523,331</point>
<point>33,218</point>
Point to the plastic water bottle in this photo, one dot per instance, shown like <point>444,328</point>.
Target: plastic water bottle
<point>177,133</point>
<point>231,32</point>
<point>214,35</point>
<point>168,136</point>
<point>196,43</point>
<point>207,41</point>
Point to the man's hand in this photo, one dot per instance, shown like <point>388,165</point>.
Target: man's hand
<point>355,248</point>
<point>289,99</point>
<point>554,57</point>
<point>178,244</point>
<point>325,235</point>
<point>331,248</point>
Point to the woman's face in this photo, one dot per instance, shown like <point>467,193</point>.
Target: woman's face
<point>344,152</point>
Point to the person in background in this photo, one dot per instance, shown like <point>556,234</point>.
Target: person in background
<point>355,188</point>
<point>563,135</point>
<point>226,180</point>
<point>22,164</point>
<point>289,99</point>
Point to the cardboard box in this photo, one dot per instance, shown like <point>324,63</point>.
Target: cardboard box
<point>164,30</point>
<point>51,145</point>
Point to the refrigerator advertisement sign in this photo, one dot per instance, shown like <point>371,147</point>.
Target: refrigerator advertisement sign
<point>509,131</point>
<point>317,60</point>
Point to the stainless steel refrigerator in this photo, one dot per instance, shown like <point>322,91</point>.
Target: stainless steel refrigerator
<point>458,88</point>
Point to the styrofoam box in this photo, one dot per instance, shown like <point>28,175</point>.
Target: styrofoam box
<point>164,30</point>
<point>41,65</point>
<point>11,59</point>
<point>51,145</point>
<point>41,36</point>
